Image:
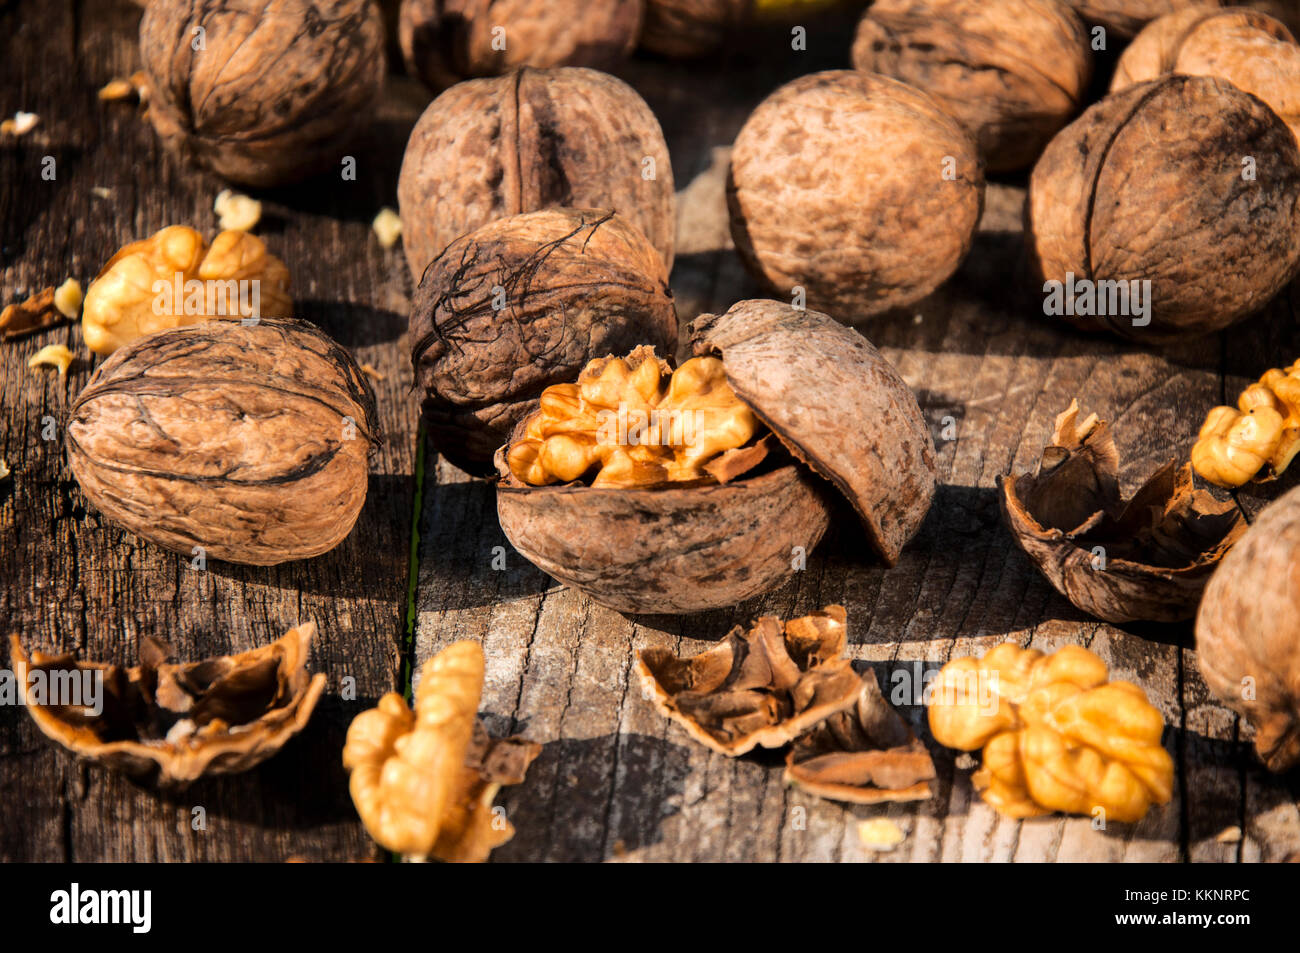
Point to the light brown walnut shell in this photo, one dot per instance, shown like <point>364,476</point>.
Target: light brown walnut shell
<point>574,284</point>
<point>1248,632</point>
<point>1012,72</point>
<point>856,188</point>
<point>251,442</point>
<point>446,41</point>
<point>490,148</point>
<point>269,91</point>
<point>1155,183</point>
<point>174,723</point>
<point>1124,18</point>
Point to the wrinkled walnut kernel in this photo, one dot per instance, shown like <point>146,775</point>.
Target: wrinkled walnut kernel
<point>1256,440</point>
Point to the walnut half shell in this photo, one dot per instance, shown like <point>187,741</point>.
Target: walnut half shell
<point>173,723</point>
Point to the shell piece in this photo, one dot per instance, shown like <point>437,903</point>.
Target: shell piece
<point>273,91</point>
<point>1145,558</point>
<point>855,187</point>
<point>490,148</point>
<point>1011,71</point>
<point>1249,48</point>
<point>1149,185</point>
<point>668,549</point>
<point>689,28</point>
<point>863,755</point>
<point>174,723</point>
<point>424,781</point>
<point>1248,632</point>
<point>446,41</point>
<point>37,313</point>
<point>1124,18</point>
<point>761,686</point>
<point>836,404</point>
<point>1056,734</point>
<point>251,442</point>
<point>521,304</point>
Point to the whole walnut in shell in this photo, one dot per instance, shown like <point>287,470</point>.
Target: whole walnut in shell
<point>446,41</point>
<point>1124,18</point>
<point>523,303</point>
<point>249,442</point>
<point>489,148</point>
<point>855,187</point>
<point>1250,49</point>
<point>1182,192</point>
<point>261,92</point>
<point>662,545</point>
<point>1248,632</point>
<point>1012,72</point>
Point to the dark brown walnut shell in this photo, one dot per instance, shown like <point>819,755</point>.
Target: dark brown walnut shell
<point>572,284</point>
<point>1012,72</point>
<point>1248,48</point>
<point>250,441</point>
<point>866,754</point>
<point>856,188</point>
<point>275,89</point>
<point>764,685</point>
<point>1151,184</point>
<point>170,723</point>
<point>1146,558</point>
<point>446,41</point>
<point>1248,632</point>
<point>690,28</point>
<point>1124,18</point>
<point>490,148</point>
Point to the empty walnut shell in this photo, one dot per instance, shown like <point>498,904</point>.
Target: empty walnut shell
<point>831,399</point>
<point>1248,632</point>
<point>1012,72</point>
<point>1250,49</point>
<point>1124,18</point>
<point>489,148</point>
<point>446,41</point>
<point>523,303</point>
<point>856,188</point>
<point>261,91</point>
<point>174,723</point>
<point>1186,183</point>
<point>251,442</point>
<point>1145,558</point>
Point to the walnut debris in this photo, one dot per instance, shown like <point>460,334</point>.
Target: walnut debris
<point>4,469</point>
<point>52,355</point>
<point>21,124</point>
<point>237,211</point>
<point>1145,558</point>
<point>424,781</point>
<point>115,89</point>
<point>1257,439</point>
<point>880,834</point>
<point>388,227</point>
<point>173,723</point>
<point>35,314</point>
<point>68,298</point>
<point>864,755</point>
<point>371,371</point>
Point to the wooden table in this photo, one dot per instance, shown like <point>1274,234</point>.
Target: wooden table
<point>614,780</point>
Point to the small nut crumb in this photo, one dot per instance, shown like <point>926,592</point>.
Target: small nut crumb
<point>100,192</point>
<point>52,355</point>
<point>4,469</point>
<point>236,211</point>
<point>116,89</point>
<point>388,226</point>
<point>68,297</point>
<point>376,374</point>
<point>21,124</point>
<point>1229,835</point>
<point>880,833</point>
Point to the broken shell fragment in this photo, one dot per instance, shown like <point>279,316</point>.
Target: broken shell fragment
<point>1145,558</point>
<point>174,723</point>
<point>37,313</point>
<point>424,781</point>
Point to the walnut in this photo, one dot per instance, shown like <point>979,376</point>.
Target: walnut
<point>855,188</point>
<point>1250,49</point>
<point>830,401</point>
<point>237,211</point>
<point>1258,438</point>
<point>68,298</point>
<point>623,423</point>
<point>173,278</point>
<point>262,92</point>
<point>1248,632</point>
<point>1012,72</point>
<point>52,355</point>
<point>1145,558</point>
<point>1124,18</point>
<point>243,443</point>
<point>424,781</point>
<point>1182,192</point>
<point>446,41</point>
<point>170,723</point>
<point>490,148</point>
<point>1056,734</point>
<point>523,303</point>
